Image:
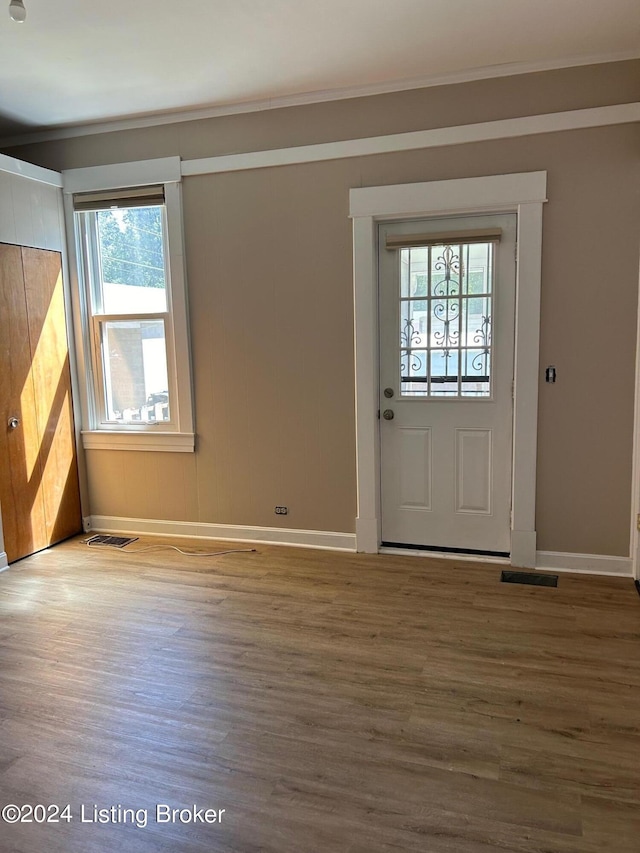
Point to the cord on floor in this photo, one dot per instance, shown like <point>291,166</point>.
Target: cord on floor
<point>88,543</point>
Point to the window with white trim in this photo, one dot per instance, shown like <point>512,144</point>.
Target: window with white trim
<point>131,277</point>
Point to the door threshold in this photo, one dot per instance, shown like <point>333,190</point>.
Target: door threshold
<point>450,553</point>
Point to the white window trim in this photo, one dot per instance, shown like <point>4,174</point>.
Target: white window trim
<point>523,194</point>
<point>139,437</point>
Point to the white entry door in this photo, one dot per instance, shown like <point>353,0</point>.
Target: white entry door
<point>447,293</point>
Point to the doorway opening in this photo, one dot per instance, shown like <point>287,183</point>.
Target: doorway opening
<point>522,194</point>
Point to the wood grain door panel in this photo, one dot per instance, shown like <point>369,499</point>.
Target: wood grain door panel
<point>52,384</point>
<point>39,492</point>
<point>21,499</point>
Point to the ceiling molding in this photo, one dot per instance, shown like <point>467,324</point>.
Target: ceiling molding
<point>323,96</point>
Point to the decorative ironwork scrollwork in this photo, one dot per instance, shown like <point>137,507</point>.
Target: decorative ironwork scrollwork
<point>444,350</point>
<point>447,312</point>
<point>482,337</point>
<point>409,337</point>
<point>410,362</point>
<point>483,334</point>
<point>449,263</point>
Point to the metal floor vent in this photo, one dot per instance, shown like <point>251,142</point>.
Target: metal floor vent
<point>113,541</point>
<point>529,577</point>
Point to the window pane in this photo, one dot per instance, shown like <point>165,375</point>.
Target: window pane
<point>414,271</point>
<point>131,255</point>
<point>413,370</point>
<point>134,357</point>
<point>477,268</point>
<point>413,323</point>
<point>444,373</point>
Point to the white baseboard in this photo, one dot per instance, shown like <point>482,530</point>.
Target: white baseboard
<point>557,561</point>
<point>4,561</point>
<point>235,533</point>
<point>592,564</point>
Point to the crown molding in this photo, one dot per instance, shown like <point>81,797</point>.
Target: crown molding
<point>322,96</point>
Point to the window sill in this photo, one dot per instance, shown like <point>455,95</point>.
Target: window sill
<point>167,442</point>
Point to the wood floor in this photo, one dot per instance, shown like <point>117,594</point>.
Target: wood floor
<point>330,703</point>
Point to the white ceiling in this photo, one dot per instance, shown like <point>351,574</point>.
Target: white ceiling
<point>78,61</point>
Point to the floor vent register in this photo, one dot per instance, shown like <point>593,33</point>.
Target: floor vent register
<point>532,578</point>
<point>111,541</point>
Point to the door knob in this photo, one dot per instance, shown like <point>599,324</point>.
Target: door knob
<point>13,423</point>
<point>388,414</point>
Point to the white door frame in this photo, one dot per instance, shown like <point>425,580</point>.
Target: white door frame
<point>522,193</point>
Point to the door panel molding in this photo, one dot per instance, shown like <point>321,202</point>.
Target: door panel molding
<point>415,489</point>
<point>474,450</point>
<point>520,193</point>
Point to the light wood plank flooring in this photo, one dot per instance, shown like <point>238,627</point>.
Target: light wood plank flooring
<point>328,702</point>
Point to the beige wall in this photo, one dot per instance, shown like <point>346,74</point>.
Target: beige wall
<point>270,290</point>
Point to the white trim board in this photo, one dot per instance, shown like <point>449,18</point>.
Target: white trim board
<point>138,173</point>
<point>171,442</point>
<point>29,171</point>
<point>418,139</point>
<point>522,193</point>
<point>509,69</point>
<point>593,564</point>
<point>324,540</point>
<point>166,171</point>
<point>4,561</point>
<point>495,192</point>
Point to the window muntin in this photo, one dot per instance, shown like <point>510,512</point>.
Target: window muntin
<point>446,308</point>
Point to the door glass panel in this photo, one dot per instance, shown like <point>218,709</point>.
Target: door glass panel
<point>446,309</point>
<point>414,272</point>
<point>413,364</point>
<point>414,328</point>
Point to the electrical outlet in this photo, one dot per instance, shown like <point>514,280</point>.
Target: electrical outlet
<point>282,510</point>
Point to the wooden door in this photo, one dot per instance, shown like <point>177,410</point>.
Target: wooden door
<point>446,371</point>
<point>39,492</point>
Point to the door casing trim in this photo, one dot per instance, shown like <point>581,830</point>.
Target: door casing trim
<point>521,193</point>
